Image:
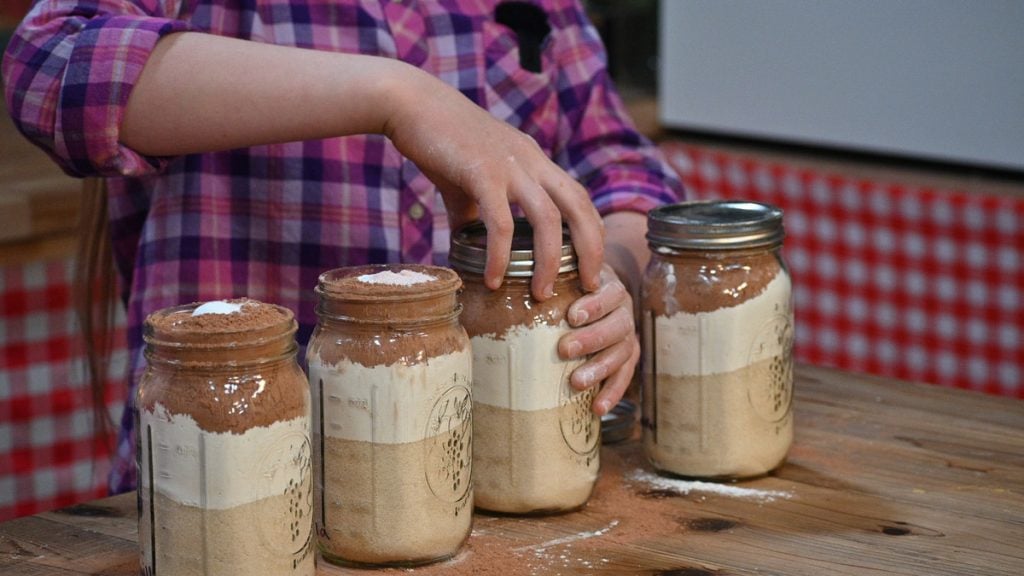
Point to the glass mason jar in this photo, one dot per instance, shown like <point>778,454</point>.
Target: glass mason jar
<point>717,325</point>
<point>536,443</point>
<point>224,459</point>
<point>390,370</point>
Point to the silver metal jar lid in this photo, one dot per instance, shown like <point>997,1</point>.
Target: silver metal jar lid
<point>469,250</point>
<point>715,225</point>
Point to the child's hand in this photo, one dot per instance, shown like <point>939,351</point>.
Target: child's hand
<point>604,327</point>
<point>482,165</point>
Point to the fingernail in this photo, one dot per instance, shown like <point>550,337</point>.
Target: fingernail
<point>602,407</point>
<point>549,291</point>
<point>574,348</point>
<point>579,317</point>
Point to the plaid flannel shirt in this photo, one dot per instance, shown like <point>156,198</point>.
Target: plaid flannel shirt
<point>266,221</point>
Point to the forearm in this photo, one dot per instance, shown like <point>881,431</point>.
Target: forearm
<point>625,247</point>
<point>200,92</point>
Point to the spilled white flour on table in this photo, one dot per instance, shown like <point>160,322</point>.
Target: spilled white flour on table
<point>571,538</point>
<point>686,486</point>
<point>549,561</point>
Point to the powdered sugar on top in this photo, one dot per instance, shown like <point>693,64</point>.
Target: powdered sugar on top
<point>687,486</point>
<point>401,278</point>
<point>217,307</point>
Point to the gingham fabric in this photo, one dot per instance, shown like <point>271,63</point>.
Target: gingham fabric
<point>266,221</point>
<point>49,456</point>
<point>890,278</point>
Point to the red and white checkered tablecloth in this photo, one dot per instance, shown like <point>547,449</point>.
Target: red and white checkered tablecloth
<point>49,455</point>
<point>890,278</point>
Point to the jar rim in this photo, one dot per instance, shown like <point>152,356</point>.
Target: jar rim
<point>337,284</point>
<point>468,252</point>
<point>715,225</point>
<point>161,330</point>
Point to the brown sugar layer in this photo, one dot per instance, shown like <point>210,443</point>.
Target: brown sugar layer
<point>534,462</point>
<point>706,282</point>
<point>262,537</point>
<point>395,503</point>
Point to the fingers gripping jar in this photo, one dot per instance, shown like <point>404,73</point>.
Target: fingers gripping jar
<point>390,370</point>
<point>718,335</point>
<point>224,459</point>
<point>536,440</point>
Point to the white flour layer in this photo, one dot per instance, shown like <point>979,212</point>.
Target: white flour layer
<point>412,402</point>
<point>220,470</point>
<point>726,339</point>
<point>522,370</point>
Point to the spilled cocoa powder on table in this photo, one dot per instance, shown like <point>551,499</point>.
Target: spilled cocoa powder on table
<point>511,546</point>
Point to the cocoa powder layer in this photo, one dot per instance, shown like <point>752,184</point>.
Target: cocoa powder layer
<point>493,312</point>
<point>706,281</point>
<point>228,372</point>
<point>381,324</point>
<point>343,294</point>
<point>382,345</point>
<point>252,316</point>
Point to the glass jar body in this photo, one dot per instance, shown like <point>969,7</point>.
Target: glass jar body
<point>536,443</point>
<point>718,370</point>
<point>392,431</point>
<point>223,453</point>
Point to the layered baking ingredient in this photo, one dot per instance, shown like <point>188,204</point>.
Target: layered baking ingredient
<point>390,371</point>
<point>244,500</point>
<point>537,439</point>
<point>719,352</point>
<point>225,474</point>
<point>397,442</point>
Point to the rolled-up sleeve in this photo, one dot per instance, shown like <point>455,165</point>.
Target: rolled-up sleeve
<point>68,71</point>
<point>601,148</point>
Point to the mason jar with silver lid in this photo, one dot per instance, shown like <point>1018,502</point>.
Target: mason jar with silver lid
<point>717,323</point>
<point>536,439</point>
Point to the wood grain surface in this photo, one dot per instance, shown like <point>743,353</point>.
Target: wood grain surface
<point>884,477</point>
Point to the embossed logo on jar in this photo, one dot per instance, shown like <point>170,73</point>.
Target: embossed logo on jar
<point>288,455</point>
<point>771,393</point>
<point>580,428</point>
<point>449,443</point>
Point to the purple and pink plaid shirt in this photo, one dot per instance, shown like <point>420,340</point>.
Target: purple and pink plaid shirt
<point>266,221</point>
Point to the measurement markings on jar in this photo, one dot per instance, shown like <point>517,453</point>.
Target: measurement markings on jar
<point>204,503</point>
<point>653,424</point>
<point>152,503</point>
<point>323,466</point>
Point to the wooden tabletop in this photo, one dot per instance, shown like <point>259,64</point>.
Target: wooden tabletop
<point>884,477</point>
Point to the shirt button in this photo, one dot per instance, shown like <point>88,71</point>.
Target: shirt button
<point>416,211</point>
